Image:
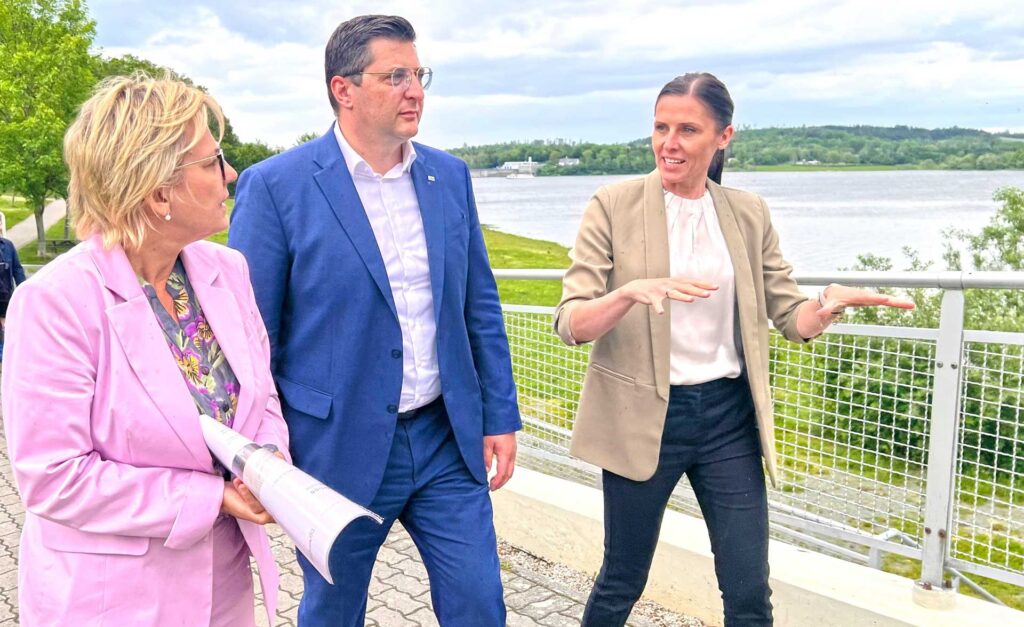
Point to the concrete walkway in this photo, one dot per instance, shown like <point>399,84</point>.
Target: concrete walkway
<point>24,232</point>
<point>399,590</point>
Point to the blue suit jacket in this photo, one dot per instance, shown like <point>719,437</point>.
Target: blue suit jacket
<point>323,290</point>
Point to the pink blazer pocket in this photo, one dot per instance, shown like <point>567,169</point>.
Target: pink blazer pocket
<point>70,540</point>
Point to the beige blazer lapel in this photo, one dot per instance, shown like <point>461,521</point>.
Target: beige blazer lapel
<point>746,297</point>
<point>658,266</point>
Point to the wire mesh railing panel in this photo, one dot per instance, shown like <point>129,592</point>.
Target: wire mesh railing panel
<point>851,418</point>
<point>988,514</point>
<point>852,424</point>
<point>548,376</point>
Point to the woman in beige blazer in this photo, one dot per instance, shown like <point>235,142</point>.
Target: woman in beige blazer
<point>680,384</point>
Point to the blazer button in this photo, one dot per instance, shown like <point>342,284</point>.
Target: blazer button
<point>392,409</point>
<point>397,354</point>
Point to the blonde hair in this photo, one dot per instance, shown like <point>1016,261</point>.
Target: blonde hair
<point>127,141</point>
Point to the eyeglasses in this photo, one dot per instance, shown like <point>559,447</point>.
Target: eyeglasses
<point>401,77</point>
<point>219,156</point>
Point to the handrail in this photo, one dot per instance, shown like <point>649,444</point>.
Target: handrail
<point>952,280</point>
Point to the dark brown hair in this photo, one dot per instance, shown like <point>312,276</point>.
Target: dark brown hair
<point>348,49</point>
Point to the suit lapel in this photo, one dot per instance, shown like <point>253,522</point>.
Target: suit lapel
<point>137,330</point>
<point>336,184</point>
<point>746,298</point>
<point>225,318</point>
<point>658,266</point>
<point>428,194</point>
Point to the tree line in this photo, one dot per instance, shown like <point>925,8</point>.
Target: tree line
<point>897,146</point>
<point>47,72</point>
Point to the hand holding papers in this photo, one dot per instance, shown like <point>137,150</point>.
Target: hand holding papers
<point>312,514</point>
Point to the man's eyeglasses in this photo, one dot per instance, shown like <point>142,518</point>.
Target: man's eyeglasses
<point>401,77</point>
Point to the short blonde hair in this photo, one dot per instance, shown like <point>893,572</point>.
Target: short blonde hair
<point>127,141</point>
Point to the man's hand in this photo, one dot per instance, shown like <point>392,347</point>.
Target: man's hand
<point>504,448</point>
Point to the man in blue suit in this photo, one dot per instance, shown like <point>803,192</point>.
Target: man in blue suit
<point>387,340</point>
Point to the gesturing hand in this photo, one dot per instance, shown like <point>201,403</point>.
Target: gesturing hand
<point>653,292</point>
<point>835,298</point>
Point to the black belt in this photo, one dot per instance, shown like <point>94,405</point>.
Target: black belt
<point>413,413</point>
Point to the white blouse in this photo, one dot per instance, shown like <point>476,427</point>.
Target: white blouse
<point>703,341</point>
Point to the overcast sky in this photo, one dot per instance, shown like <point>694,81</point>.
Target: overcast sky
<point>590,70</point>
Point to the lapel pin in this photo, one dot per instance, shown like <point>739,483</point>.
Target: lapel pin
<point>430,177</point>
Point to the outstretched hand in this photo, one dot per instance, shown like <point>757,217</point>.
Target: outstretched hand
<point>653,292</point>
<point>837,297</point>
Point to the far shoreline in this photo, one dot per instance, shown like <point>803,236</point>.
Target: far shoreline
<point>767,168</point>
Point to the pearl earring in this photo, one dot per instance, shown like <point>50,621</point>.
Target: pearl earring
<point>167,217</point>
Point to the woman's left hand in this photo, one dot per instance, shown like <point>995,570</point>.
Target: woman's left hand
<point>837,297</point>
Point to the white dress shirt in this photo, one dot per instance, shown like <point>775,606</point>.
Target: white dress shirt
<point>703,341</point>
<point>391,205</point>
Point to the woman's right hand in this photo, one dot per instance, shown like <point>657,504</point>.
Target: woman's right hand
<point>653,292</point>
<point>241,503</point>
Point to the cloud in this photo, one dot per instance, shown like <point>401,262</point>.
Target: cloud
<point>590,69</point>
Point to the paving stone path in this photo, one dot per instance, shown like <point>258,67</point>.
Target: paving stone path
<point>399,590</point>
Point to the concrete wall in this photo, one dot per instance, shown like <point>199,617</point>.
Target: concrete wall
<point>562,522</point>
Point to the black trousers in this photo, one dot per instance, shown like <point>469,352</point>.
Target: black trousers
<point>711,436</point>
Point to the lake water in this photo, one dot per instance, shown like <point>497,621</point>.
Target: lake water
<point>824,219</point>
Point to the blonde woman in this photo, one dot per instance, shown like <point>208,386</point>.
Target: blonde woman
<point>118,346</point>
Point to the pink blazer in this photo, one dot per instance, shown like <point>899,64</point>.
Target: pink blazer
<point>119,488</point>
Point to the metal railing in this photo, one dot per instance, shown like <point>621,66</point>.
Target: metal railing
<point>898,441</point>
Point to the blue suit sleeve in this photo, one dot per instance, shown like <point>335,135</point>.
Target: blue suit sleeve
<point>16,269</point>
<point>257,232</point>
<point>486,328</point>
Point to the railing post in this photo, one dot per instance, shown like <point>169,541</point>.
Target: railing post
<point>942,445</point>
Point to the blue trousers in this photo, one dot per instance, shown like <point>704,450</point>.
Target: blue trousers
<point>448,514</point>
<point>711,436</point>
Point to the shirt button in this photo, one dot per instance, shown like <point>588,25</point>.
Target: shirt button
<point>392,409</point>
<point>397,354</point>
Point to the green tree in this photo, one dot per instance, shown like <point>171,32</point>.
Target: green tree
<point>45,75</point>
<point>306,137</point>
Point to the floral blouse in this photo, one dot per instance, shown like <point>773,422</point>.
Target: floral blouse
<point>207,373</point>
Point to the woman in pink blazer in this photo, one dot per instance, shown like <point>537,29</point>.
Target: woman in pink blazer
<point>113,350</point>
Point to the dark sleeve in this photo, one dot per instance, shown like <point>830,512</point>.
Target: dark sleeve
<point>16,268</point>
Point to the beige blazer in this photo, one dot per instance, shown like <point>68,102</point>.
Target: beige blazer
<point>623,236</point>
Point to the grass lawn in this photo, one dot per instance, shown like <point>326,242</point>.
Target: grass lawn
<point>27,253</point>
<point>14,208</point>
<point>516,252</point>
